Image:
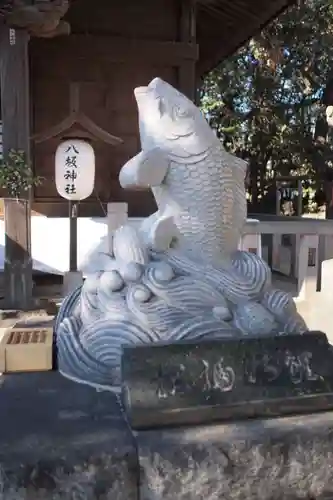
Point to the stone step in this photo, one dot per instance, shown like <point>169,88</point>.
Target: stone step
<point>63,440</point>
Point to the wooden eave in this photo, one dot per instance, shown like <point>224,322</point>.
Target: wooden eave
<point>223,26</point>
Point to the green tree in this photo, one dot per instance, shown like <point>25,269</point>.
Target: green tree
<point>265,101</point>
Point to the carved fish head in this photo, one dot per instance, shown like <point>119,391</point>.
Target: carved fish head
<point>170,120</point>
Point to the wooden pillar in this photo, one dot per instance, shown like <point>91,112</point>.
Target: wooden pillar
<point>14,81</point>
<point>187,34</point>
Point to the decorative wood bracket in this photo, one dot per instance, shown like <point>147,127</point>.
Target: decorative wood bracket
<point>79,118</point>
<point>42,18</point>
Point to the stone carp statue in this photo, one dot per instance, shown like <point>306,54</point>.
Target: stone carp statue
<point>198,186</point>
<point>179,276</point>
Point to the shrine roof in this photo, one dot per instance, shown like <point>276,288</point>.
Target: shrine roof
<point>224,25</point>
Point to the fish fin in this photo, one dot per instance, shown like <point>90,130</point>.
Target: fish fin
<point>147,223</point>
<point>128,245</point>
<point>238,164</point>
<point>146,169</point>
<point>159,232</point>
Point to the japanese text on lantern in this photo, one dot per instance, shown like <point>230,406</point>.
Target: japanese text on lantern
<point>70,169</point>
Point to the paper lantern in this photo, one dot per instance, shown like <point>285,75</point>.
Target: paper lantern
<point>75,169</point>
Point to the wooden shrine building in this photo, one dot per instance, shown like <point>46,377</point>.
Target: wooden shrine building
<point>69,69</point>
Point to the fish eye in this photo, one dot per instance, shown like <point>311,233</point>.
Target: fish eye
<point>161,106</point>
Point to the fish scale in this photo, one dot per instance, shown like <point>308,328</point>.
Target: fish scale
<point>212,220</point>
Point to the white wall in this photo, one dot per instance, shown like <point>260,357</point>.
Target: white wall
<point>50,243</point>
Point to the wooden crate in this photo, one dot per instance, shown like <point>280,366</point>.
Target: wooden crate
<point>26,349</point>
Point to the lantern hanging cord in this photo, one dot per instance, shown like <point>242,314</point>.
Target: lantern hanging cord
<point>74,209</point>
<point>101,203</point>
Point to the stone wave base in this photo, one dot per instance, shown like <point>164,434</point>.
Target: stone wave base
<point>65,441</point>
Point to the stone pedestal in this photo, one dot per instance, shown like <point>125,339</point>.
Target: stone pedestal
<point>175,386</point>
<point>203,382</point>
<point>276,458</point>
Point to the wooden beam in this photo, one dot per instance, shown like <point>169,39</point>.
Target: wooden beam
<point>14,81</point>
<point>187,35</point>
<point>77,117</point>
<point>118,49</point>
<point>142,206</point>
